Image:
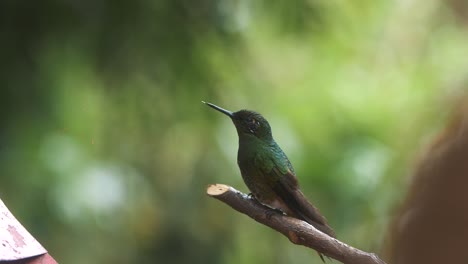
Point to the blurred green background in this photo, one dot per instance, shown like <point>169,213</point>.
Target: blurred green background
<point>106,149</point>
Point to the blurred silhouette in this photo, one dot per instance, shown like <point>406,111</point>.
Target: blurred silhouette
<point>432,224</point>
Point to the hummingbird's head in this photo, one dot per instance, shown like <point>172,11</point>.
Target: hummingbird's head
<point>248,123</point>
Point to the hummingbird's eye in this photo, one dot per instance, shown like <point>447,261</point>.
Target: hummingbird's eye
<point>253,125</point>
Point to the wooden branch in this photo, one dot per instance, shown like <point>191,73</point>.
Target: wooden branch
<point>298,231</point>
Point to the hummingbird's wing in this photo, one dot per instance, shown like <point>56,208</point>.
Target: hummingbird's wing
<point>287,189</point>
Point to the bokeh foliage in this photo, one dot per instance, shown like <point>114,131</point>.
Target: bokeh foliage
<point>106,149</point>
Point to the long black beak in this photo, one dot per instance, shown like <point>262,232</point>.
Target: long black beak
<point>222,110</point>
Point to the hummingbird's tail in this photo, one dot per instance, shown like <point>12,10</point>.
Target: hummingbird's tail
<point>288,190</point>
<point>297,205</point>
<point>303,209</point>
<point>324,227</point>
<point>309,213</point>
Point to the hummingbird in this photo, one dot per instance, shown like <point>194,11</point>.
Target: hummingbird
<point>267,171</point>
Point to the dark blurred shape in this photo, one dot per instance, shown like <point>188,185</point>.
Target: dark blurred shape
<point>460,9</point>
<point>432,224</point>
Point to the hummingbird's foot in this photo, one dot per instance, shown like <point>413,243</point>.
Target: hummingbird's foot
<point>250,196</point>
